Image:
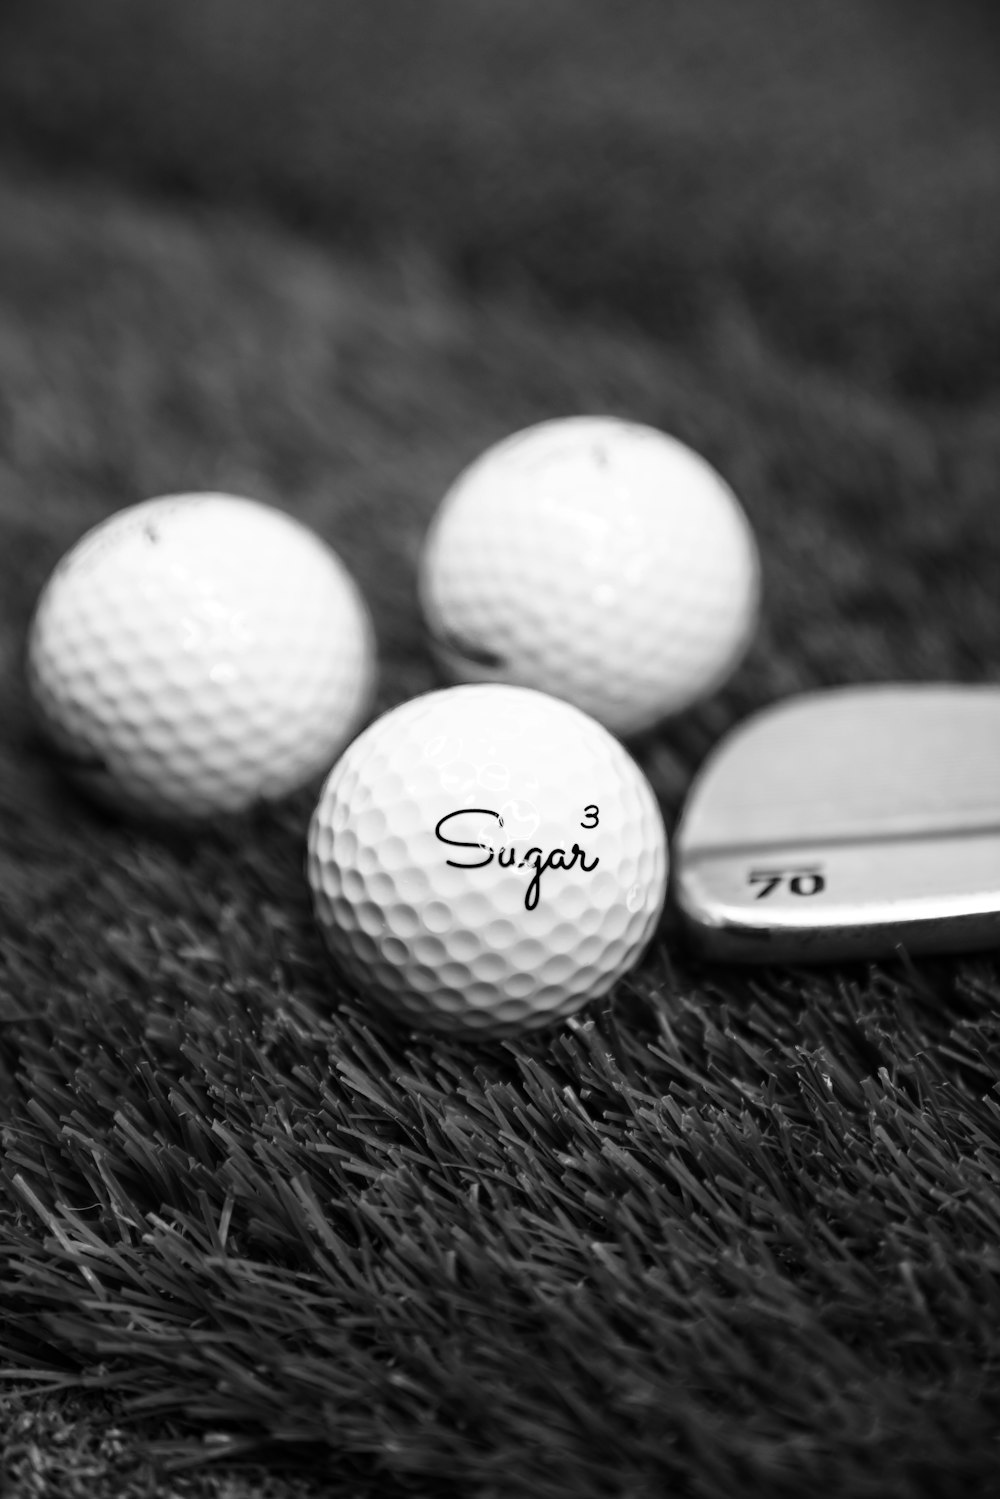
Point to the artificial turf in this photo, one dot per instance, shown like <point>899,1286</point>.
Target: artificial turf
<point>731,1233</point>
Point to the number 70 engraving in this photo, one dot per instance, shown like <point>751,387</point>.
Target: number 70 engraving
<point>802,881</point>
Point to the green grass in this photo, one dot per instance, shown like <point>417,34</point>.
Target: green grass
<point>77,1447</point>
<point>731,1233</point>
<point>831,168</point>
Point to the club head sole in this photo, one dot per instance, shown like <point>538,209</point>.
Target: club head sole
<point>853,823</point>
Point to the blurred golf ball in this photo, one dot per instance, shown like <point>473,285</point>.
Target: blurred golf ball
<point>595,559</point>
<point>485,860</point>
<point>197,653</point>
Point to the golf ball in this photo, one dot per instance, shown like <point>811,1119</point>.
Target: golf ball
<point>486,859</point>
<point>595,559</point>
<point>197,653</point>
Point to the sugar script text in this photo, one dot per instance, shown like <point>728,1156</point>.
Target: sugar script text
<point>556,858</point>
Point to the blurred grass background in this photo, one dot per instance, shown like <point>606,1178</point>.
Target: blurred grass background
<point>830,175</point>
<point>324,254</point>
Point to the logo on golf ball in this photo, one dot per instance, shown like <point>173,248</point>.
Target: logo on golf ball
<point>506,854</point>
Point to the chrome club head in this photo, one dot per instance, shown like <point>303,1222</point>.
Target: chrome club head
<point>845,824</point>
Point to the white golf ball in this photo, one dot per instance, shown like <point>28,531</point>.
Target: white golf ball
<point>197,653</point>
<point>596,559</point>
<point>486,859</point>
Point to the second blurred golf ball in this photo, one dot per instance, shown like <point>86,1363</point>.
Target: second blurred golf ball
<point>197,653</point>
<point>596,559</point>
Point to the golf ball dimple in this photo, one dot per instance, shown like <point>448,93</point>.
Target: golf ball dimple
<point>197,653</point>
<point>517,871</point>
<point>596,559</point>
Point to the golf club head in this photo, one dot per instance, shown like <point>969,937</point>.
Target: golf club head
<point>852,823</point>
